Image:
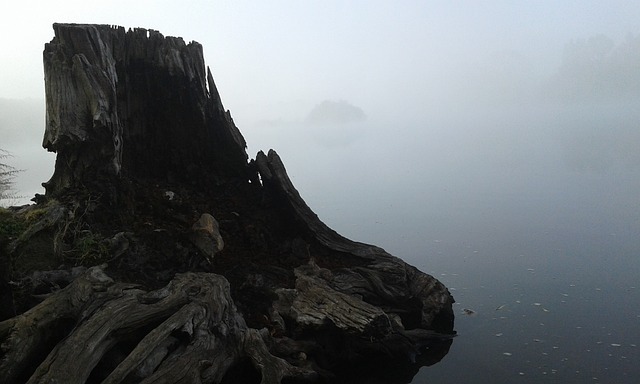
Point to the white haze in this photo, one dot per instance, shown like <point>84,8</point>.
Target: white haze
<point>398,122</point>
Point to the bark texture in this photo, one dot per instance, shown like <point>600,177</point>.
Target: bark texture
<point>159,254</point>
<point>107,93</point>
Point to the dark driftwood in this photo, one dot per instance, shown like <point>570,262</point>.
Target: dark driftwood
<point>188,331</point>
<point>382,277</point>
<point>201,267</point>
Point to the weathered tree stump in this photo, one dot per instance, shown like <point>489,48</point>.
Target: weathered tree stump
<point>196,265</point>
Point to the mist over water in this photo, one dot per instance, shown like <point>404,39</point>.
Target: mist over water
<point>488,169</point>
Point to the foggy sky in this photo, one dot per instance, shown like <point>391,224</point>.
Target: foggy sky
<point>435,105</point>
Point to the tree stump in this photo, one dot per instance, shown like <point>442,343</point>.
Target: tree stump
<point>112,280</point>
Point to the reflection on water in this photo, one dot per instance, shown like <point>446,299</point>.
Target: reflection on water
<point>399,371</point>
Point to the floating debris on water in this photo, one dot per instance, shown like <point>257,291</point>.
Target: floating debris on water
<point>501,307</point>
<point>498,334</point>
<point>468,312</point>
<point>537,304</point>
<point>616,345</point>
<point>507,354</point>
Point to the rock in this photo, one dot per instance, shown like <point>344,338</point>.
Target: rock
<point>170,195</point>
<point>118,244</point>
<point>206,236</point>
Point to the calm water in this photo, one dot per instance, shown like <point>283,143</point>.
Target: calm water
<point>552,270</point>
<point>551,306</point>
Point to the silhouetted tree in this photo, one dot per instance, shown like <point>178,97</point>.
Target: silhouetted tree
<point>7,175</point>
